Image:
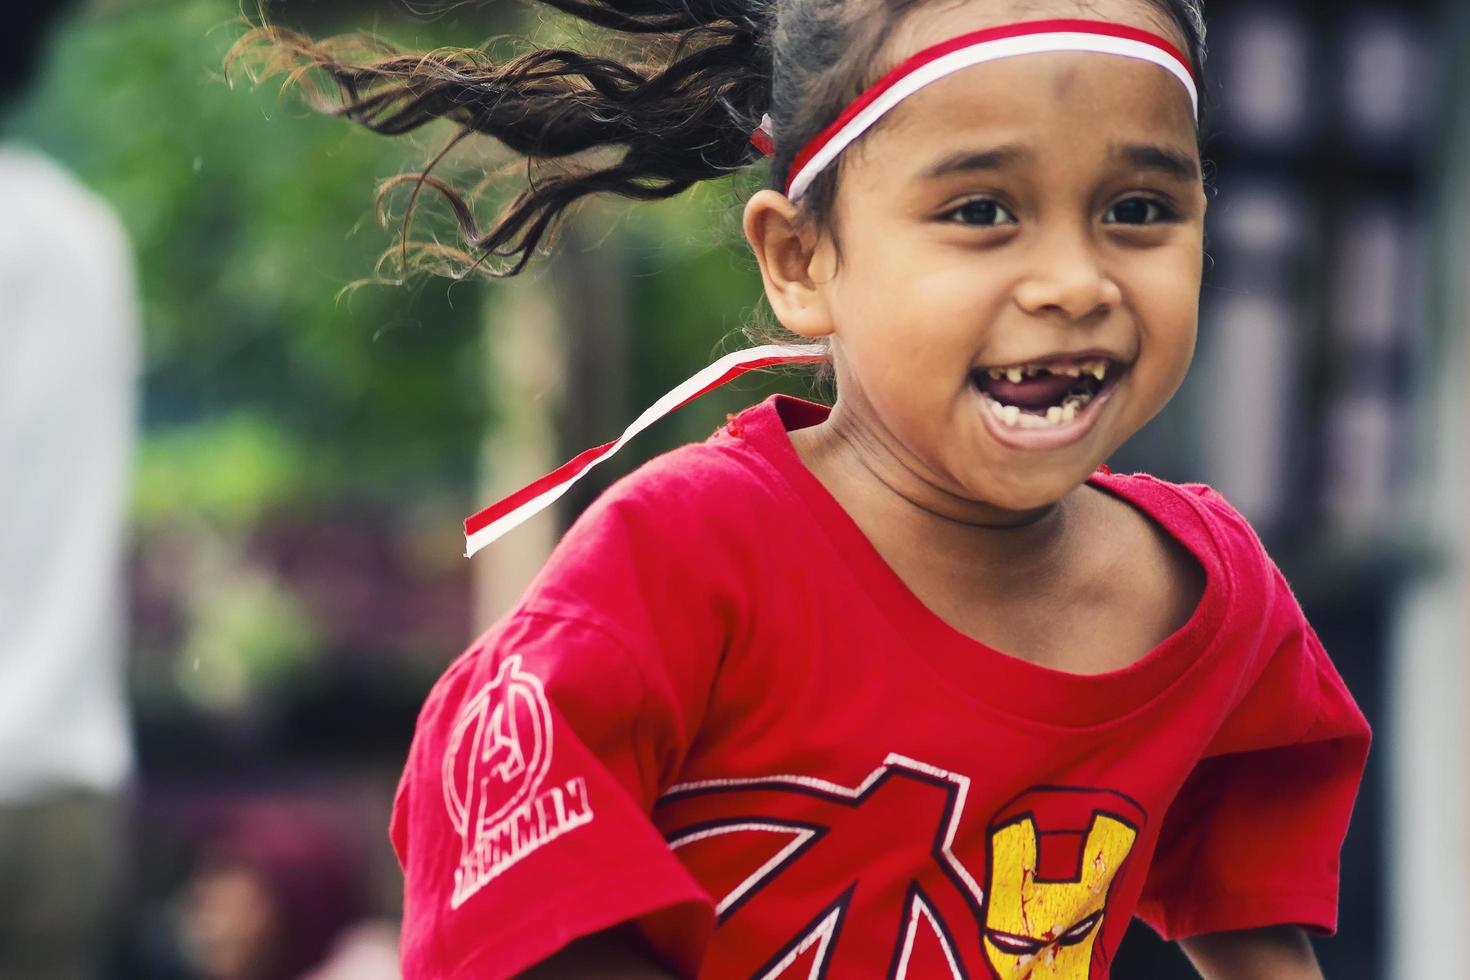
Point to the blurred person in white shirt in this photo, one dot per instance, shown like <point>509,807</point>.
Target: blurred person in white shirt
<point>69,351</point>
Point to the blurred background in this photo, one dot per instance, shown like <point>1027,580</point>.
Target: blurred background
<point>211,779</point>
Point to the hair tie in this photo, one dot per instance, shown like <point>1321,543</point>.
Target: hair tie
<point>764,137</point>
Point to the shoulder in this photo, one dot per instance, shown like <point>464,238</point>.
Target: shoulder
<point>740,481</point>
<point>555,650</point>
<point>691,474</point>
<point>48,210</point>
<point>1199,517</point>
<point>1256,597</point>
<point>708,492</point>
<point>686,531</point>
<point>67,270</point>
<point>1244,585</point>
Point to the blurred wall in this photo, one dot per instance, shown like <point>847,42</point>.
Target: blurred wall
<point>1318,405</point>
<point>1428,735</point>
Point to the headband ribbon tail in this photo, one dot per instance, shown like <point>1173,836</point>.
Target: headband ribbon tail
<point>764,137</point>
<point>505,515</point>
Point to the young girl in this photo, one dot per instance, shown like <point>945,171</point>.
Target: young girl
<point>914,686</point>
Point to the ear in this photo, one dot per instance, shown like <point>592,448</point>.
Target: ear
<point>796,263</point>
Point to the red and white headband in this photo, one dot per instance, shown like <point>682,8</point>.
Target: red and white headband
<point>927,66</point>
<point>966,51</point>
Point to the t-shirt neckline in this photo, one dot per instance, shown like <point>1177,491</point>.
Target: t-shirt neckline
<point>1007,683</point>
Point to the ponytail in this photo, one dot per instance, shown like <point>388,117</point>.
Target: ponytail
<point>682,118</point>
<point>684,113</point>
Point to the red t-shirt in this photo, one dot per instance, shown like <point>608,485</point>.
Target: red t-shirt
<point>719,716</point>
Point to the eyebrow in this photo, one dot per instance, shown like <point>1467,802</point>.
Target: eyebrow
<point>1140,156</point>
<point>1161,159</point>
<point>972,161</point>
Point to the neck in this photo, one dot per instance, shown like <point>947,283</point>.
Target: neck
<point>913,522</point>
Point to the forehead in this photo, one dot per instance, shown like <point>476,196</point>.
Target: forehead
<point>1082,101</point>
<point>930,23</point>
<point>1064,94</point>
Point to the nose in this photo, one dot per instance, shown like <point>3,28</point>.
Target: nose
<point>1067,281</point>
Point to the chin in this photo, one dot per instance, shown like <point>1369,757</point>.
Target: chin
<point>1034,492</point>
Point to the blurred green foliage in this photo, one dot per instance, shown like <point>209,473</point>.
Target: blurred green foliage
<point>273,396</point>
<point>249,214</point>
<point>249,636</point>
<point>231,472</point>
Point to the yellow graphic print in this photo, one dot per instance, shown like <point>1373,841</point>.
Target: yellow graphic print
<point>1036,928</point>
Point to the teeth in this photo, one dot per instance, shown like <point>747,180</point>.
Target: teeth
<point>1097,369</point>
<point>1013,416</point>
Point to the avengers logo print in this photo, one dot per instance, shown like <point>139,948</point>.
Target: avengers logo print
<point>836,878</point>
<point>781,854</point>
<point>1055,852</point>
<point>498,756</point>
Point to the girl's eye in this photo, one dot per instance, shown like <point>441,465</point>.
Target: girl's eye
<point>983,212</point>
<point>1138,211</point>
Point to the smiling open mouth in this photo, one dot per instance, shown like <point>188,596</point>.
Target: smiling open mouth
<point>1041,395</point>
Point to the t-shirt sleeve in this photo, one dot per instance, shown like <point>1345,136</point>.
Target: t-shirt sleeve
<point>1254,836</point>
<point>522,818</point>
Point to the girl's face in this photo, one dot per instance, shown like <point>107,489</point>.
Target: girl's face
<point>1036,218</point>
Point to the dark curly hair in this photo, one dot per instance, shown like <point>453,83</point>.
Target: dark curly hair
<point>680,106</point>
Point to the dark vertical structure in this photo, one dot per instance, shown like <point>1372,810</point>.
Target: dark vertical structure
<point>589,282</point>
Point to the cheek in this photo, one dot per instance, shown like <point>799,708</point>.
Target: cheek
<point>1166,298</point>
<point>935,302</point>
<point>896,313</point>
